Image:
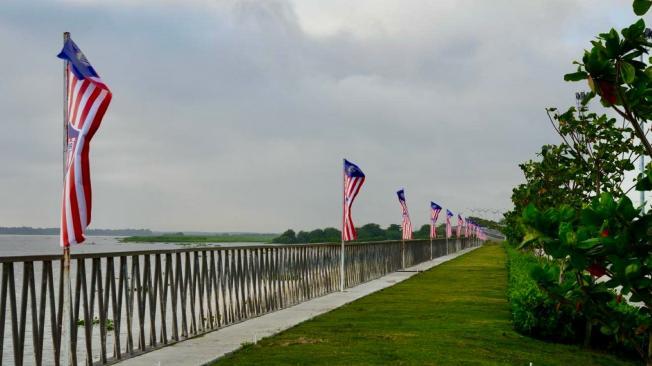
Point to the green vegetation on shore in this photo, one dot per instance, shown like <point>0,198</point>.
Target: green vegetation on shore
<point>454,314</point>
<point>221,238</point>
<point>368,232</point>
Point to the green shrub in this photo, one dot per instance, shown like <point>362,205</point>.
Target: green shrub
<point>533,312</point>
<point>621,329</point>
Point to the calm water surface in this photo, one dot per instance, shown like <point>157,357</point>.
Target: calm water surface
<point>49,244</point>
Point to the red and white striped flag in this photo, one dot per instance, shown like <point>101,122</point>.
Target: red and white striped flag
<point>435,209</point>
<point>460,223</point>
<point>449,228</point>
<point>406,225</point>
<point>353,180</point>
<point>88,98</point>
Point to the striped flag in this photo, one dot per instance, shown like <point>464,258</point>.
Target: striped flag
<point>449,228</point>
<point>406,225</point>
<point>435,209</point>
<point>88,98</point>
<point>460,223</point>
<point>481,234</point>
<point>353,180</point>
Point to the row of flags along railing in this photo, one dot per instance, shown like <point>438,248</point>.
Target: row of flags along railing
<point>86,99</point>
<point>353,180</point>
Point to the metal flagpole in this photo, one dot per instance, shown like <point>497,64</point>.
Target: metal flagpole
<point>402,249</point>
<point>431,228</point>
<point>66,322</point>
<point>343,212</point>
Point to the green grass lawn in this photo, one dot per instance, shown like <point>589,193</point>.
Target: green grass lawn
<point>226,238</point>
<point>454,314</point>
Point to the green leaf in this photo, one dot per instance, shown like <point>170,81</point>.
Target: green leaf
<point>589,243</point>
<point>641,6</point>
<point>644,282</point>
<point>589,217</point>
<point>530,236</point>
<point>566,213</point>
<point>578,261</point>
<point>607,205</point>
<point>530,214</point>
<point>628,72</point>
<point>639,27</point>
<point>632,269</point>
<point>576,76</point>
<point>643,183</point>
<point>566,234</point>
<point>626,208</point>
<point>606,330</point>
<point>612,43</point>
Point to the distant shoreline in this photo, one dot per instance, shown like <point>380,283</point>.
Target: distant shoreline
<point>26,230</point>
<point>179,239</point>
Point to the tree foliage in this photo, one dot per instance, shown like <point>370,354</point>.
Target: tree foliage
<point>573,209</point>
<point>368,232</point>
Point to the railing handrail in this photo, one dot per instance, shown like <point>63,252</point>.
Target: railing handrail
<point>125,253</point>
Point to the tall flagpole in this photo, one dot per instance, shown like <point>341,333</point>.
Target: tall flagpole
<point>446,229</point>
<point>431,228</point>
<point>343,210</point>
<point>66,322</point>
<point>403,248</point>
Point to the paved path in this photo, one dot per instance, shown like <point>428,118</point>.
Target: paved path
<point>206,349</point>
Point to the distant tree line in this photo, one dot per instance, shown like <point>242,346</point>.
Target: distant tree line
<point>487,223</point>
<point>26,230</point>
<point>368,232</point>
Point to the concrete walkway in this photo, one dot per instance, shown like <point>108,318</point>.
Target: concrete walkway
<point>208,348</point>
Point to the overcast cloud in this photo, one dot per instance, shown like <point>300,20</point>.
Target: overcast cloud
<point>235,115</point>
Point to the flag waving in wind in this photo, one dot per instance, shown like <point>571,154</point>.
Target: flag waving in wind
<point>88,98</point>
<point>449,229</point>
<point>435,209</point>
<point>469,228</point>
<point>353,180</point>
<point>460,223</point>
<point>406,225</point>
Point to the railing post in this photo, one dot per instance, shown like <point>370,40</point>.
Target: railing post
<point>342,266</point>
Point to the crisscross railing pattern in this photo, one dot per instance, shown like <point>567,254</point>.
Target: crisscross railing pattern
<point>127,303</point>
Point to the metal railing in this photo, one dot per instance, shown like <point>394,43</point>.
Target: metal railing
<point>127,303</point>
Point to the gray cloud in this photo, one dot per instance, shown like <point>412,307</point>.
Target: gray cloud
<point>236,115</point>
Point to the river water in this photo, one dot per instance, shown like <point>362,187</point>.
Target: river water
<point>49,244</point>
<point>25,245</point>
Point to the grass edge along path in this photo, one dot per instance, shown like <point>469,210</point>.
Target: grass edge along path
<point>454,314</point>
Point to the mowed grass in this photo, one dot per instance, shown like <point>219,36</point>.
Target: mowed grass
<point>454,314</point>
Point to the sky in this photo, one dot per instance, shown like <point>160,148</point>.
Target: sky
<point>235,115</point>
